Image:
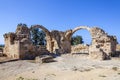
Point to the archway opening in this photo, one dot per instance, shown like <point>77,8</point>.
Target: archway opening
<point>82,41</point>
<point>39,40</point>
<point>38,37</point>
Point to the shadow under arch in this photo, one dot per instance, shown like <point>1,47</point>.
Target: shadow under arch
<point>48,35</point>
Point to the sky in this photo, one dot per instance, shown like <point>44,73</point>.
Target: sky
<point>61,15</point>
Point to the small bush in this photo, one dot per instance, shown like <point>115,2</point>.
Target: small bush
<point>115,68</point>
<point>88,69</point>
<point>102,76</point>
<point>119,73</point>
<point>21,78</point>
<point>1,46</point>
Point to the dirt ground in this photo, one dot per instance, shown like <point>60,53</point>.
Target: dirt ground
<point>65,67</point>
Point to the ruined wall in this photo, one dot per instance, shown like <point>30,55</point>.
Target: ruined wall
<point>80,48</point>
<point>59,42</point>
<point>103,45</point>
<point>11,48</point>
<point>19,45</point>
<point>56,40</point>
<point>118,47</point>
<point>48,36</point>
<point>1,52</point>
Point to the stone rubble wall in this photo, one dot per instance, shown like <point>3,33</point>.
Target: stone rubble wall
<point>19,44</point>
<point>60,42</point>
<point>118,47</point>
<point>11,48</point>
<point>80,48</point>
<point>1,52</point>
<point>102,44</point>
<point>117,54</point>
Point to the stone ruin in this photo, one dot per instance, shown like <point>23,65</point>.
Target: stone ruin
<point>19,44</point>
<point>1,52</point>
<point>80,48</point>
<point>102,44</point>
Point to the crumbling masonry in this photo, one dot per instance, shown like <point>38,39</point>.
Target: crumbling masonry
<point>19,45</point>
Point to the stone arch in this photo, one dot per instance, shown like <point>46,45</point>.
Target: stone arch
<point>69,33</point>
<point>102,43</point>
<point>80,27</point>
<point>48,36</point>
<point>41,27</point>
<point>81,48</point>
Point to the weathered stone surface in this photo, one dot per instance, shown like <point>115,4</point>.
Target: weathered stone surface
<point>118,47</point>
<point>1,52</point>
<point>43,59</point>
<point>19,45</point>
<point>38,60</point>
<point>80,48</point>
<point>103,45</point>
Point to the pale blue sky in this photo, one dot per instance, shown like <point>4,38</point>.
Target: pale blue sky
<point>61,15</point>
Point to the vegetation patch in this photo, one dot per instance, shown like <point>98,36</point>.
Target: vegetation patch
<point>115,68</point>
<point>102,76</point>
<point>119,73</point>
<point>1,46</point>
<point>21,78</point>
<point>88,69</point>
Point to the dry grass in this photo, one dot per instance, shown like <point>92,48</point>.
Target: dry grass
<point>21,78</point>
<point>102,76</point>
<point>119,73</point>
<point>115,68</point>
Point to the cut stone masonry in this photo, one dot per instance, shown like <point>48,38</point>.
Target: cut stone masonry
<point>19,44</point>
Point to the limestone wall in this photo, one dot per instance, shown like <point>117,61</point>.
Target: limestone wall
<point>19,45</point>
<point>11,48</point>
<point>1,52</point>
<point>103,45</point>
<point>118,47</point>
<point>59,41</point>
<point>80,48</point>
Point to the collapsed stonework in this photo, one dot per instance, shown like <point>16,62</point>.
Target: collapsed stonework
<point>80,48</point>
<point>102,44</point>
<point>118,47</point>
<point>1,52</point>
<point>56,40</point>
<point>19,45</point>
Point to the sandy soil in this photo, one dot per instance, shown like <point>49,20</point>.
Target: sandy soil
<point>66,67</point>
